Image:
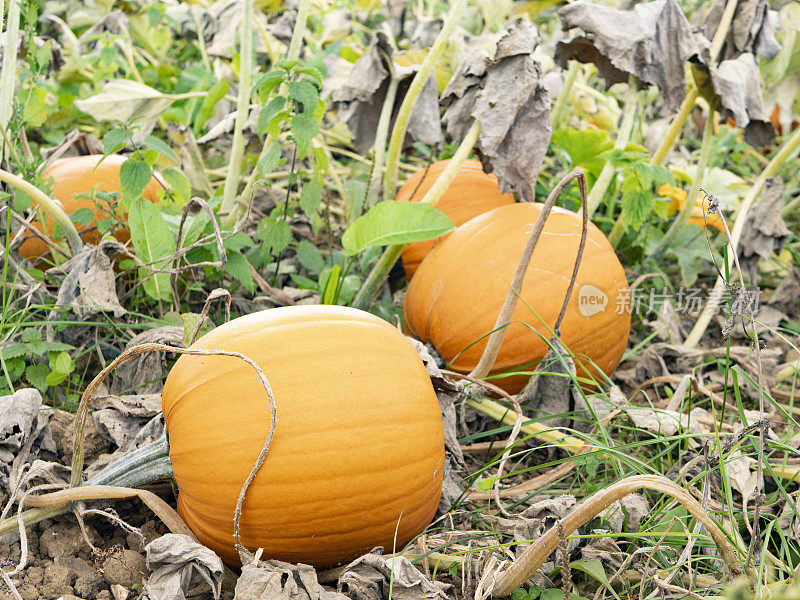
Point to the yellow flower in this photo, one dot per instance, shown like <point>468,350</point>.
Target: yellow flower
<point>678,201</point>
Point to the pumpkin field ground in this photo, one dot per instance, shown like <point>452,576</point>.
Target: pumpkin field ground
<point>368,300</point>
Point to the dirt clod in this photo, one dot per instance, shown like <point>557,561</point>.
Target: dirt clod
<point>126,568</point>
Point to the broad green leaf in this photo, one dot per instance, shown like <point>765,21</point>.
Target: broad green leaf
<point>394,222</point>
<point>484,484</point>
<point>238,267</point>
<point>310,196</point>
<point>37,108</point>
<point>267,113</point>
<point>152,241</point>
<point>115,140</point>
<point>305,93</point>
<point>310,256</point>
<point>61,362</point>
<point>178,182</point>
<point>274,235</point>
<point>271,80</point>
<point>37,376</point>
<point>594,567</point>
<point>304,128</point>
<point>584,147</point>
<point>269,160</point>
<point>82,216</point>
<point>209,106</point>
<point>160,146</point>
<point>134,175</point>
<point>237,242</point>
<point>332,285</point>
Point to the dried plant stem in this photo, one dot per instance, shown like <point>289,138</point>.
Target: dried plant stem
<point>410,100</point>
<point>8,69</point>
<point>293,53</point>
<point>372,284</point>
<point>232,179</point>
<point>600,186</point>
<point>789,148</point>
<point>50,206</point>
<point>526,564</point>
<point>492,349</point>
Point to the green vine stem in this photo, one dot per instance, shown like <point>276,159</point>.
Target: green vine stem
<point>8,71</point>
<point>50,206</point>
<point>789,148</point>
<point>236,160</point>
<point>600,186</point>
<point>560,105</point>
<point>410,100</point>
<point>526,564</point>
<point>293,53</point>
<point>381,133</point>
<point>694,190</point>
<point>692,93</point>
<point>372,284</point>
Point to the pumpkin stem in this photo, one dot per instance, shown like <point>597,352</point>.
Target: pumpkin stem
<point>50,206</point>
<point>489,355</point>
<point>530,560</point>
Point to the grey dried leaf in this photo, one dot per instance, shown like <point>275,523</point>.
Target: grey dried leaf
<point>278,580</point>
<point>666,359</point>
<point>651,42</point>
<point>551,390</point>
<point>752,30</point>
<point>788,291</point>
<point>75,143</point>
<point>362,97</point>
<point>122,419</point>
<point>142,374</point>
<point>743,479</point>
<point>538,518</point>
<point>24,431</point>
<point>626,513</point>
<point>369,577</point>
<point>221,24</point>
<point>507,97</point>
<point>765,230</point>
<point>177,563</point>
<point>604,548</point>
<point>666,325</point>
<point>735,87</point>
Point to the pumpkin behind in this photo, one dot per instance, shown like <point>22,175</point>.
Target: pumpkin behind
<point>470,194</point>
<point>455,297</point>
<point>358,446</point>
<point>79,175</point>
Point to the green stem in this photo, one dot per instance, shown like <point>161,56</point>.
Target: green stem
<point>700,173</point>
<point>8,72</point>
<point>50,206</point>
<point>410,100</point>
<point>381,134</point>
<point>293,53</point>
<point>372,284</point>
<point>792,144</point>
<point>560,105</point>
<point>600,186</point>
<point>234,174</point>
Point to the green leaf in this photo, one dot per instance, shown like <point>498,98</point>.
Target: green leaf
<point>31,334</point>
<point>271,80</point>
<point>152,241</point>
<point>584,147</point>
<point>61,362</point>
<point>310,196</point>
<point>54,378</point>
<point>134,175</point>
<point>637,205</point>
<point>160,146</point>
<point>37,376</point>
<point>304,128</point>
<point>267,113</point>
<point>311,72</point>
<point>484,484</point>
<point>82,216</point>
<point>310,257</point>
<point>331,286</point>
<point>269,160</point>
<point>395,222</point>
<point>593,567</point>
<point>238,267</point>
<point>178,182</point>
<point>274,235</point>
<point>209,106</point>
<point>36,109</point>
<point>305,93</point>
<point>13,351</point>
<point>115,140</point>
<point>237,242</point>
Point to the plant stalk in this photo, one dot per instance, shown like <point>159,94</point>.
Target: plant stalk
<point>600,186</point>
<point>8,70</point>
<point>372,284</point>
<point>410,100</point>
<point>487,360</point>
<point>232,179</point>
<point>560,105</point>
<point>381,133</point>
<point>293,53</point>
<point>50,206</point>
<point>789,148</point>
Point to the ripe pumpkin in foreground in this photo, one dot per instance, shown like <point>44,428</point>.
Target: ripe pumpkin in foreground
<point>358,446</point>
<point>470,194</point>
<point>77,175</point>
<point>456,295</point>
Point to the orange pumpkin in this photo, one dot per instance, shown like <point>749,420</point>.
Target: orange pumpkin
<point>358,448</point>
<point>80,175</point>
<point>455,297</point>
<point>470,194</point>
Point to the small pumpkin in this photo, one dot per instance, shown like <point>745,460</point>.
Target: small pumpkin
<point>456,295</point>
<point>77,175</point>
<point>470,194</point>
<point>358,450</point>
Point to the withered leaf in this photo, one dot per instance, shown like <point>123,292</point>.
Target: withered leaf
<point>370,578</point>
<point>752,30</point>
<point>363,94</point>
<point>24,429</point>
<point>507,97</point>
<point>651,42</point>
<point>177,563</point>
<point>278,580</point>
<point>765,230</point>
